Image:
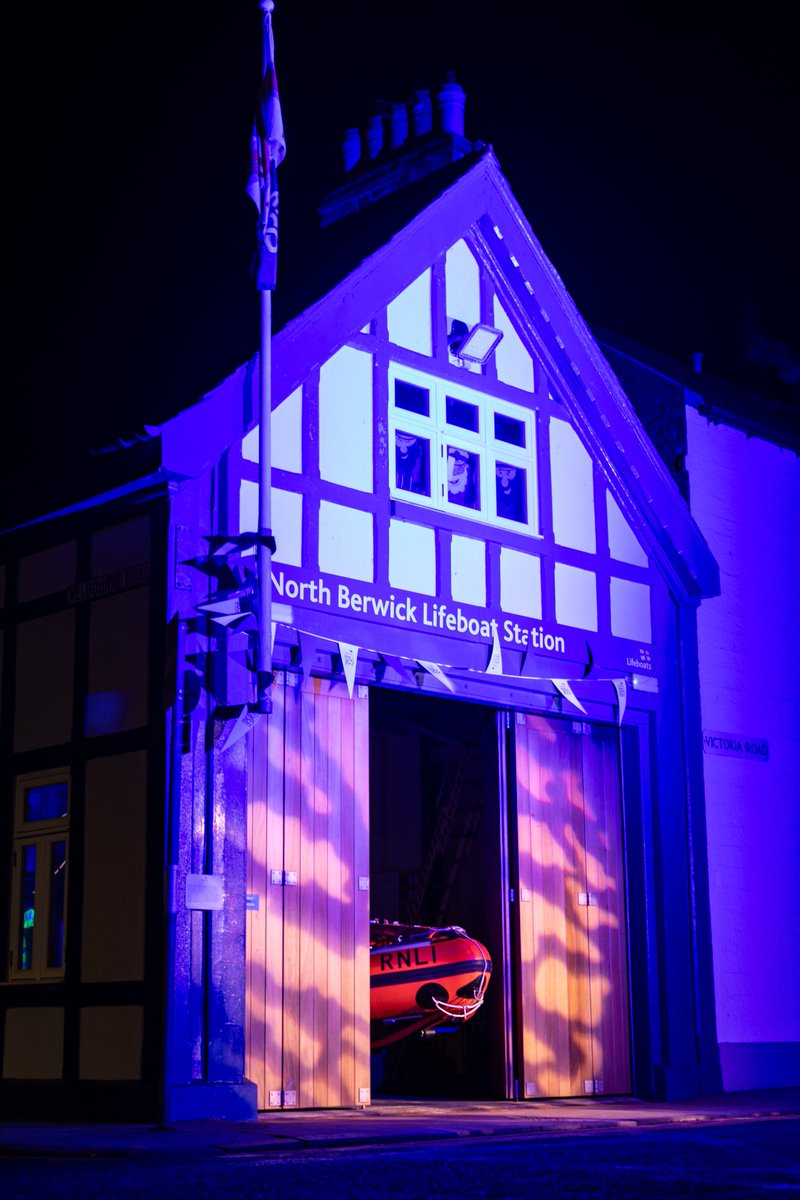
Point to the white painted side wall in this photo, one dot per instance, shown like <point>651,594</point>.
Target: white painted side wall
<point>746,498</point>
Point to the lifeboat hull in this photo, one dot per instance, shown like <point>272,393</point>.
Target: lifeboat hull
<point>420,972</point>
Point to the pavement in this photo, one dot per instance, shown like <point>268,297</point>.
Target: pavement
<point>391,1122</point>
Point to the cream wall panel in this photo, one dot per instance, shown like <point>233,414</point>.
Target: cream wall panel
<point>49,571</point>
<point>409,316</point>
<point>520,583</point>
<point>572,484</point>
<point>345,419</point>
<point>468,570</point>
<point>114,869</point>
<point>346,541</point>
<point>514,363</point>
<point>121,546</point>
<point>576,597</point>
<point>43,698</point>
<point>622,541</point>
<point>111,1042</point>
<point>462,280</point>
<point>118,662</point>
<point>34,1043</point>
<point>286,435</point>
<point>412,557</point>
<point>630,610</point>
<point>287,520</point>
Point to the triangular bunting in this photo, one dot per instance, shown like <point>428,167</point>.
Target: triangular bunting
<point>242,726</point>
<point>436,671</point>
<point>349,657</point>
<point>495,665</point>
<point>565,689</point>
<point>621,688</point>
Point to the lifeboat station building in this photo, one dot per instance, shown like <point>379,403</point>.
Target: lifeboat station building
<point>486,706</point>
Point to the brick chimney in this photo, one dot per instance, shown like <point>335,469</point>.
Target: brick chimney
<point>403,143</point>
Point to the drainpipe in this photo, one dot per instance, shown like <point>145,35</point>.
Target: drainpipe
<point>172,850</point>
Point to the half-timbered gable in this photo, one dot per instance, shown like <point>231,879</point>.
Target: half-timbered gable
<point>417,492</point>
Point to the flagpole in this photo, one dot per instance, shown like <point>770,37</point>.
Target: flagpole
<point>266,543</point>
<point>264,552</point>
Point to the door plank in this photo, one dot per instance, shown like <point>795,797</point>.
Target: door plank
<point>605,877</point>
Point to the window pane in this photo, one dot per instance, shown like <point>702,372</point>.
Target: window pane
<point>508,429</point>
<point>512,500</point>
<point>412,463</point>
<point>463,477</point>
<point>462,414</point>
<point>411,398</point>
<point>27,907</point>
<point>46,803</point>
<point>55,922</point>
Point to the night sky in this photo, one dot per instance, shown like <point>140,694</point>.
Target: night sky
<point>654,150</point>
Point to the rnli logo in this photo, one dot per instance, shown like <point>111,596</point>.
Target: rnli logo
<point>413,957</point>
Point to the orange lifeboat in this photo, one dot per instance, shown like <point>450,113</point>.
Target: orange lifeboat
<point>422,977</point>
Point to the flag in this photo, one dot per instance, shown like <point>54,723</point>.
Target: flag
<point>267,149</point>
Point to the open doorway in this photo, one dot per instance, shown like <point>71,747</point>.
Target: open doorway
<point>435,860</point>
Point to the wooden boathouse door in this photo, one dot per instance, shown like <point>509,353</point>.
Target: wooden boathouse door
<point>573,1032</point>
<point>307,1023</point>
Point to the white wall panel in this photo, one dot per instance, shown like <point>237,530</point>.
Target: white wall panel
<point>412,557</point>
<point>462,280</point>
<point>346,541</point>
<point>576,597</point>
<point>287,521</point>
<point>514,363</point>
<point>572,488</point>
<point>468,570</point>
<point>409,316</point>
<point>630,610</point>
<point>286,434</point>
<point>346,420</point>
<point>520,583</point>
<point>623,545</point>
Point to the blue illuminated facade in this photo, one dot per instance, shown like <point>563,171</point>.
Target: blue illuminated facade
<point>489,603</point>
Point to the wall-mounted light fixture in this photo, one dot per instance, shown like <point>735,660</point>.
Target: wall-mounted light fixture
<point>476,345</point>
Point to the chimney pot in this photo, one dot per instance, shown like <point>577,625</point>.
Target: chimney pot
<point>421,113</point>
<point>375,136</point>
<point>398,125</point>
<point>450,101</point>
<point>351,148</point>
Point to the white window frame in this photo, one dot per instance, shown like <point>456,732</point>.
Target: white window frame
<point>42,835</point>
<point>435,429</point>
